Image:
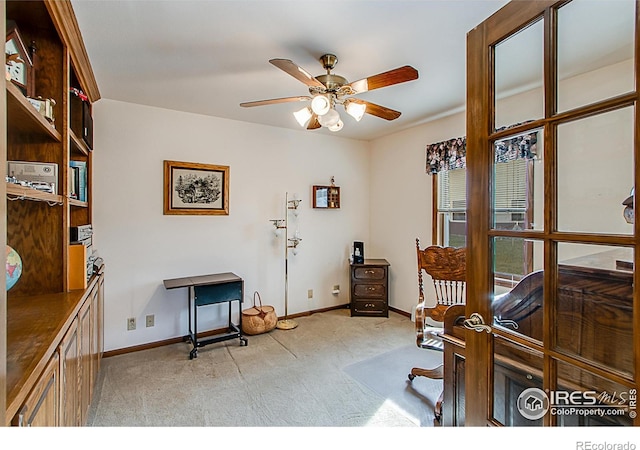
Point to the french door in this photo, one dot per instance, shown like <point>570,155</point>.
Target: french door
<point>562,347</point>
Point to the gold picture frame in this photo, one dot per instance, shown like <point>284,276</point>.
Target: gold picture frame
<point>195,189</point>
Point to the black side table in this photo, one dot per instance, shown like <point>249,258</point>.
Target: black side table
<point>208,290</point>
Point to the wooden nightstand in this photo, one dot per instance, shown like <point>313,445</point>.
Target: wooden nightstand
<point>370,288</point>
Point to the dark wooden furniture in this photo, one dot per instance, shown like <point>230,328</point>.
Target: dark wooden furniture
<point>53,332</point>
<point>370,288</point>
<point>208,290</point>
<point>447,268</point>
<point>591,288</point>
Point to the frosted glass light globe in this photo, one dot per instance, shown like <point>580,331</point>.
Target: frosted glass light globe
<point>337,127</point>
<point>320,104</point>
<point>329,119</point>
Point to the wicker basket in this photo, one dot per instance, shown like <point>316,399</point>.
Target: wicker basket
<point>258,319</point>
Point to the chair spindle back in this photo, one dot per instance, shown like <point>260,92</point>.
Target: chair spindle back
<point>447,267</point>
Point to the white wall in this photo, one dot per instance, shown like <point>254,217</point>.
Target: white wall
<point>141,246</point>
<point>401,205</point>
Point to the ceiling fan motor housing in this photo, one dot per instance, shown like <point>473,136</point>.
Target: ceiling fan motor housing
<point>332,81</point>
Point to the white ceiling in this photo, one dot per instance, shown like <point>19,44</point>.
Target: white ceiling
<point>208,56</point>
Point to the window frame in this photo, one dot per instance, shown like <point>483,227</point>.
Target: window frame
<point>438,218</point>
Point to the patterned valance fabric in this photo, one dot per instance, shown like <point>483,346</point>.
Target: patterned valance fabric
<point>452,154</point>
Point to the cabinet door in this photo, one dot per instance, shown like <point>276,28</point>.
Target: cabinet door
<point>69,376</point>
<point>41,407</point>
<point>84,325</point>
<point>100,327</point>
<point>96,330</point>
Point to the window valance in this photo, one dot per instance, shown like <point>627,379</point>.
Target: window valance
<point>452,154</point>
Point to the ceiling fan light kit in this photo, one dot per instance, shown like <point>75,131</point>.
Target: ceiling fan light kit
<point>329,90</point>
<point>337,126</point>
<point>303,115</point>
<point>320,104</point>
<point>329,119</point>
<point>355,110</point>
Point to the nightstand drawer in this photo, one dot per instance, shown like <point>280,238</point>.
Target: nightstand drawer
<point>370,273</point>
<point>369,306</point>
<point>369,290</point>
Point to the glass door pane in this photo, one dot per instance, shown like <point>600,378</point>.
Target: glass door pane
<point>518,182</point>
<point>518,77</point>
<point>518,301</point>
<point>594,305</point>
<point>595,172</point>
<point>585,399</point>
<point>517,370</point>
<point>595,51</point>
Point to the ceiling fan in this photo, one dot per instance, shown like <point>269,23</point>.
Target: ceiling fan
<point>329,90</point>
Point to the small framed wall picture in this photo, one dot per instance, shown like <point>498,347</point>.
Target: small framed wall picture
<point>195,189</point>
<point>18,63</point>
<point>326,197</point>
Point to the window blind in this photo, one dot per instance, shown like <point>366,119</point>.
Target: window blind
<point>452,190</point>
<point>510,192</point>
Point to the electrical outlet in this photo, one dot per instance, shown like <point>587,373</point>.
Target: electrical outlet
<point>150,320</point>
<point>310,293</point>
<point>131,323</point>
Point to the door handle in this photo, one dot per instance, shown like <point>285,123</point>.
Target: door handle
<point>476,322</point>
<point>506,323</point>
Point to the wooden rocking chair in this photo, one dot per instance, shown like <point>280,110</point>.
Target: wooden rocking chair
<point>447,268</point>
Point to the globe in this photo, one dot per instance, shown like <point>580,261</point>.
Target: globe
<point>14,267</point>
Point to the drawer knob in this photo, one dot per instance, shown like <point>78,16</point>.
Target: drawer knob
<point>370,271</point>
<point>371,288</point>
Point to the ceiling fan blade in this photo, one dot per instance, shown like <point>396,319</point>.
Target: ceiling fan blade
<point>274,101</point>
<point>296,72</point>
<point>313,123</point>
<point>377,110</point>
<point>395,76</point>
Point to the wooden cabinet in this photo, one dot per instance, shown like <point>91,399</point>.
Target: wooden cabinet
<point>370,288</point>
<point>41,407</point>
<point>85,379</point>
<point>453,403</point>
<point>97,326</point>
<point>72,329</point>
<point>45,335</point>
<point>69,375</point>
<point>89,330</point>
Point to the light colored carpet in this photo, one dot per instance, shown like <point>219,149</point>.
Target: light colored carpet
<point>285,378</point>
<point>386,374</point>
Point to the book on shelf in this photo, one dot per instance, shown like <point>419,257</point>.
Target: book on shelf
<point>73,182</point>
<point>79,168</point>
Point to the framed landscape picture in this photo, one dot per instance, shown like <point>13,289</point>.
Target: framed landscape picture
<point>197,189</point>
